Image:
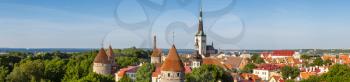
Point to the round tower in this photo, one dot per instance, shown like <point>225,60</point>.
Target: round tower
<point>156,53</point>
<point>101,63</point>
<point>172,69</point>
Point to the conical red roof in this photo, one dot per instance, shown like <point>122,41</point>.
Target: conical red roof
<point>173,61</point>
<point>156,52</point>
<point>101,57</point>
<point>110,51</point>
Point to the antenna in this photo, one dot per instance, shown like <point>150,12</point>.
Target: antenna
<point>173,37</point>
<point>102,43</point>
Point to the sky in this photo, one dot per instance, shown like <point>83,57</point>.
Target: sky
<point>229,24</point>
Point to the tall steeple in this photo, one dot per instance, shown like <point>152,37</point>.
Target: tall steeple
<point>200,37</point>
<point>156,53</point>
<point>200,24</point>
<point>154,41</point>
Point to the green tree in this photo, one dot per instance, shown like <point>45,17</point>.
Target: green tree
<point>26,71</point>
<point>208,73</point>
<point>3,73</point>
<point>257,59</point>
<point>336,73</point>
<point>305,57</point>
<point>289,80</point>
<point>55,69</point>
<point>248,68</point>
<point>125,79</point>
<point>288,71</point>
<point>123,61</point>
<point>93,77</point>
<point>317,62</point>
<point>79,66</point>
<point>144,73</point>
<point>327,62</point>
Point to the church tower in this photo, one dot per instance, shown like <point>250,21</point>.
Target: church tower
<point>101,63</point>
<point>200,37</point>
<point>196,58</point>
<point>172,69</point>
<point>111,58</point>
<point>156,53</point>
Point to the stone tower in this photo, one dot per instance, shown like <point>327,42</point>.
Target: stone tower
<point>111,58</point>
<point>157,53</point>
<point>200,37</point>
<point>172,69</point>
<point>101,64</point>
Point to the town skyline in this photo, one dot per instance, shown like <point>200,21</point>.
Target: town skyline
<point>278,25</point>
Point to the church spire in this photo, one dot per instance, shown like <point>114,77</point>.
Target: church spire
<point>154,41</point>
<point>200,24</point>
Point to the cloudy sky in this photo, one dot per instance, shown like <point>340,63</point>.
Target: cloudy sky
<point>229,24</point>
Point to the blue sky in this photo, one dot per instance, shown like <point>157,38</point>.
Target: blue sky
<point>246,24</point>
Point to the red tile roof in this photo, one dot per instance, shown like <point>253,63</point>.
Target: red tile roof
<point>102,57</point>
<point>156,52</point>
<point>156,72</point>
<point>173,61</point>
<point>129,69</point>
<point>110,51</point>
<point>188,69</point>
<point>213,61</point>
<point>283,53</point>
<point>267,67</point>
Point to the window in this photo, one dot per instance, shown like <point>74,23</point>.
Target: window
<point>168,74</point>
<point>178,74</point>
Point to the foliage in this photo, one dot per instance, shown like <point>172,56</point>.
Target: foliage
<point>79,66</point>
<point>288,71</point>
<point>10,59</point>
<point>327,62</point>
<point>55,69</point>
<point>62,67</point>
<point>125,79</point>
<point>317,62</point>
<point>305,57</point>
<point>3,72</point>
<point>26,71</point>
<point>93,77</point>
<point>208,73</point>
<point>123,61</point>
<point>248,68</point>
<point>257,59</point>
<point>289,80</point>
<point>134,52</point>
<point>144,73</point>
<point>337,73</point>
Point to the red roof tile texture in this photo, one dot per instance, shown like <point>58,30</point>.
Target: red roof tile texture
<point>283,53</point>
<point>173,61</point>
<point>268,67</point>
<point>156,52</point>
<point>130,69</point>
<point>102,57</point>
